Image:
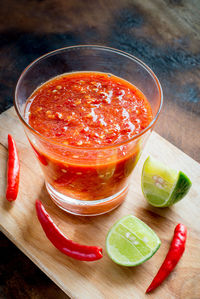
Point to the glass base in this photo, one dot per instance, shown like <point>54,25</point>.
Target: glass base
<point>86,208</point>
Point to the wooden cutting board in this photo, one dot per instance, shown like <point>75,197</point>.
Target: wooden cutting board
<point>102,279</point>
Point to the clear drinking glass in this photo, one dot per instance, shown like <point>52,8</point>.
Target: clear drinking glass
<point>81,180</point>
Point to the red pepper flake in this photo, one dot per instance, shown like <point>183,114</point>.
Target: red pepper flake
<point>59,115</point>
<point>38,109</point>
<point>51,116</point>
<point>78,102</point>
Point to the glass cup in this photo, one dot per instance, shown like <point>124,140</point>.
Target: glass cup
<point>81,180</point>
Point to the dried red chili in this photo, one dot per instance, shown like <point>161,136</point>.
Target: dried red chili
<point>66,246</point>
<point>176,250</point>
<point>13,170</point>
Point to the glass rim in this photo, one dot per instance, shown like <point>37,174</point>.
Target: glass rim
<point>109,49</point>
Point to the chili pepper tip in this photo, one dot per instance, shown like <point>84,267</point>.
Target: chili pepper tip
<point>148,290</point>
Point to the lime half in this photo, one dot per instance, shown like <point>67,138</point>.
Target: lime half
<point>130,242</point>
<point>163,186</point>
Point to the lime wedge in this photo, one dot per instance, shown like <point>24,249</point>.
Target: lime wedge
<point>163,186</point>
<point>130,242</point>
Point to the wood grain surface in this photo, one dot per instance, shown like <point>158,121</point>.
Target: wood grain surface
<point>163,33</point>
<point>102,279</point>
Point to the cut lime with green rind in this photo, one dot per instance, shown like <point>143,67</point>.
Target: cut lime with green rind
<point>182,187</point>
<point>161,185</point>
<point>130,242</point>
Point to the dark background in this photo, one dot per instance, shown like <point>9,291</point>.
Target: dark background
<point>163,33</point>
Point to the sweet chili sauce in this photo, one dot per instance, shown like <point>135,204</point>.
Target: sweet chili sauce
<point>87,110</point>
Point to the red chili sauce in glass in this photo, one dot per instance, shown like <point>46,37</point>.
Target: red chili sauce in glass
<point>85,115</point>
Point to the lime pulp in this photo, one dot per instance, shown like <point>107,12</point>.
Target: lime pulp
<point>130,242</point>
<point>161,185</point>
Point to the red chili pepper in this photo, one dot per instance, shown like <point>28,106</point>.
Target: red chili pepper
<point>176,250</point>
<point>13,170</point>
<point>40,157</point>
<point>66,246</point>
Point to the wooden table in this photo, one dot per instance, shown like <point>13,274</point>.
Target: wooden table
<point>164,34</point>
